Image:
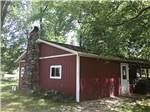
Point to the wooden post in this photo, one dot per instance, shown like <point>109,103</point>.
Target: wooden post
<point>147,73</point>
<point>140,72</point>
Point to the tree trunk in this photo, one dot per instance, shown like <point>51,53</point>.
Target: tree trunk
<point>32,61</point>
<point>4,8</point>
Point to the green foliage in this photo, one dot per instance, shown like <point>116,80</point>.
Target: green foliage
<point>4,10</point>
<point>57,20</point>
<point>103,27</point>
<point>14,36</point>
<point>10,54</point>
<point>111,31</point>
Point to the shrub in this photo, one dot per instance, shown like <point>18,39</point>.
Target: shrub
<point>142,86</point>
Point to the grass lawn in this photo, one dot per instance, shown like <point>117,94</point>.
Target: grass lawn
<point>17,102</point>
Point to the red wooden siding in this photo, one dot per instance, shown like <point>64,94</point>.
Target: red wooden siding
<point>98,78</point>
<point>46,50</point>
<point>67,84</point>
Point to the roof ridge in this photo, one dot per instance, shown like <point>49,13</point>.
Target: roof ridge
<point>60,43</point>
<point>68,46</point>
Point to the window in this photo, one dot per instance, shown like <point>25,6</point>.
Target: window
<point>55,71</point>
<point>22,71</point>
<point>124,72</point>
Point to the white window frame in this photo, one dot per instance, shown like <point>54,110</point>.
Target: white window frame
<point>55,66</point>
<point>22,70</point>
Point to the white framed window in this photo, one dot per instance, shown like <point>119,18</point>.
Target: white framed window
<point>55,71</point>
<point>22,71</point>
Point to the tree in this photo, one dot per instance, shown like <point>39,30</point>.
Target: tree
<point>116,28</point>
<point>4,10</point>
<point>104,28</point>
<point>57,20</point>
<point>14,35</point>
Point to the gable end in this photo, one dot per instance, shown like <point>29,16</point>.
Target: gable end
<point>57,46</point>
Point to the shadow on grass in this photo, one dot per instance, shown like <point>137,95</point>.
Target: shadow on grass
<point>40,102</point>
<point>141,107</point>
<point>18,102</point>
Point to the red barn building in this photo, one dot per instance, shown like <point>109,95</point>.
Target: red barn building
<point>72,71</point>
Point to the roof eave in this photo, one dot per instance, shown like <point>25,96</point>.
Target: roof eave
<point>111,58</point>
<point>17,60</point>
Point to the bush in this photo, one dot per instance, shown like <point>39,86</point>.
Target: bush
<point>142,86</point>
<point>53,95</point>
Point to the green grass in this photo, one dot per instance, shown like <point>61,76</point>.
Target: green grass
<point>140,105</point>
<point>18,102</point>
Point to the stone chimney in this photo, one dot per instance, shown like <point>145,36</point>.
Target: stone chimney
<point>32,61</point>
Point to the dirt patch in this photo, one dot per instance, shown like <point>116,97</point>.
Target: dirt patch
<point>117,104</point>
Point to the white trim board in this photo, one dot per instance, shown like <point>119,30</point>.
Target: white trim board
<point>20,56</point>
<point>84,54</point>
<point>51,44</point>
<point>56,56</point>
<point>125,82</point>
<point>57,46</point>
<point>77,78</point>
<point>22,60</point>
